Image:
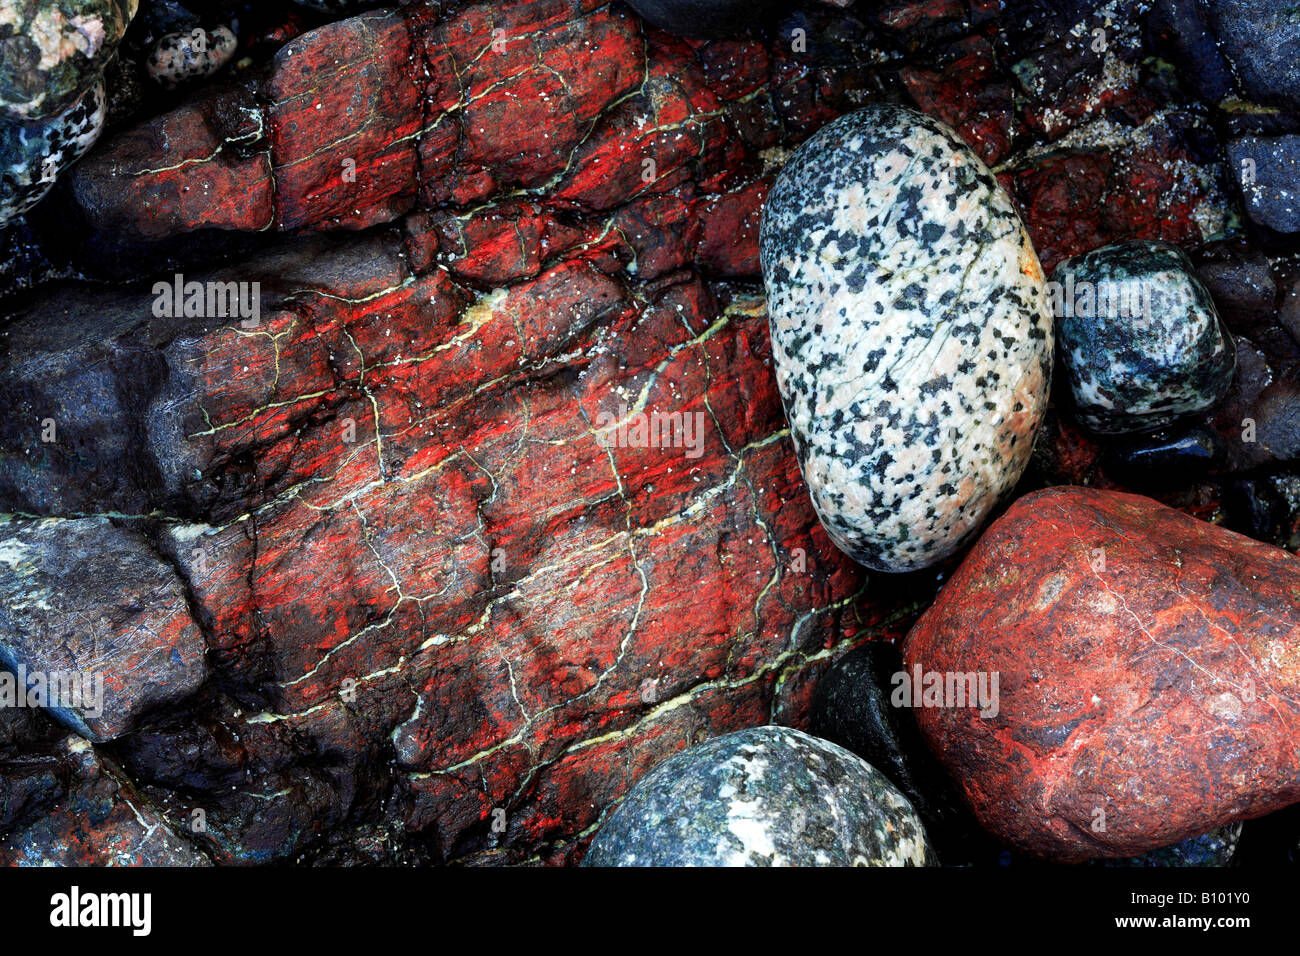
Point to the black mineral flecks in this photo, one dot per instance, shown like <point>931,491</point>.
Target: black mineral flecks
<point>911,331</point>
<point>1140,338</point>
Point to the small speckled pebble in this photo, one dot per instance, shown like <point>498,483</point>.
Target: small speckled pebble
<point>190,54</point>
<point>911,331</point>
<point>766,796</point>
<point>34,154</point>
<point>1141,341</point>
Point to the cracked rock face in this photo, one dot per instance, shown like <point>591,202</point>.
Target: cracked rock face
<point>911,332</point>
<point>768,796</point>
<point>453,605</point>
<point>1141,340</point>
<point>1147,669</point>
<point>86,602</point>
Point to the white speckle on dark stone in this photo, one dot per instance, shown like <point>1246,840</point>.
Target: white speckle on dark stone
<point>911,330</point>
<point>766,796</point>
<point>33,154</point>
<point>1141,341</point>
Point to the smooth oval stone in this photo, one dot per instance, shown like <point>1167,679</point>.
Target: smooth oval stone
<point>190,54</point>
<point>911,330</point>
<point>766,796</point>
<point>1141,341</point>
<point>1148,670</point>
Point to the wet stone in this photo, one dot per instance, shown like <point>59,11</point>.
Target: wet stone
<point>1243,289</point>
<point>1141,341</point>
<point>189,55</point>
<point>53,51</point>
<point>1166,458</point>
<point>911,332</point>
<point>1268,171</point>
<point>766,796</point>
<point>34,154</point>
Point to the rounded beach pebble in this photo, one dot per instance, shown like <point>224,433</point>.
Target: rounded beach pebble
<point>183,56</point>
<point>1141,341</point>
<point>766,796</point>
<point>911,330</point>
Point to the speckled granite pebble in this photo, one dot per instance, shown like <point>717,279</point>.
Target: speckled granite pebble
<point>1141,341</point>
<point>911,330</point>
<point>766,796</point>
<point>34,154</point>
<point>190,54</point>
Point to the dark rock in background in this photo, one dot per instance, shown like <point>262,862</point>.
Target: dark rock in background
<point>1268,170</point>
<point>1260,38</point>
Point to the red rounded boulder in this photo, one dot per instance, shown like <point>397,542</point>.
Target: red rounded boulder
<point>1147,670</point>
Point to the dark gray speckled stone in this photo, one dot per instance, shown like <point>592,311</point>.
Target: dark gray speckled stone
<point>1149,347</point>
<point>911,331</point>
<point>766,796</point>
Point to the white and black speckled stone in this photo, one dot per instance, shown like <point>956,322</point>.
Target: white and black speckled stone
<point>1161,354</point>
<point>190,54</point>
<point>34,154</point>
<point>911,330</point>
<point>767,796</point>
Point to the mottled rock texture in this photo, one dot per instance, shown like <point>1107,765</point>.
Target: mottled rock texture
<point>768,796</point>
<point>911,330</point>
<point>34,153</point>
<point>53,54</point>
<point>101,820</point>
<point>85,598</point>
<point>1141,341</point>
<point>636,608</point>
<point>1149,675</point>
<point>52,51</point>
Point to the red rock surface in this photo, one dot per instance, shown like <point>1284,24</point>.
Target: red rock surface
<point>429,593</point>
<point>1149,677</point>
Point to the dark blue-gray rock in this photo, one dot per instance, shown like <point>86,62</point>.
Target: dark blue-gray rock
<point>1268,169</point>
<point>1278,421</point>
<point>911,333</point>
<point>1166,458</point>
<point>100,820</point>
<point>702,18</point>
<point>766,796</point>
<point>1241,284</point>
<point>1260,39</point>
<point>1141,341</point>
<point>1215,848</point>
<point>94,625</point>
<point>1288,309</point>
<point>1183,27</point>
<point>1266,508</point>
<point>34,153</point>
<point>852,708</point>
